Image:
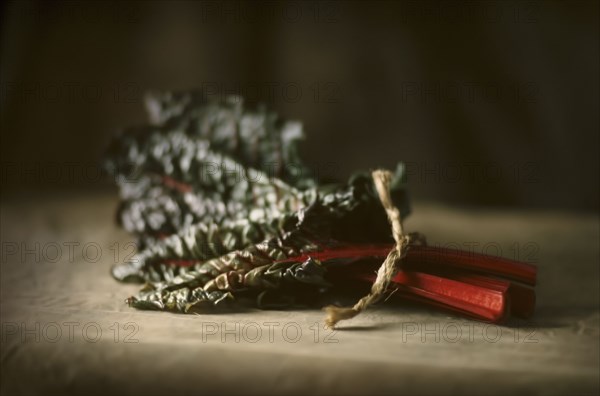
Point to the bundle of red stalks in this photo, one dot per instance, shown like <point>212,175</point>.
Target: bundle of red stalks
<point>482,287</point>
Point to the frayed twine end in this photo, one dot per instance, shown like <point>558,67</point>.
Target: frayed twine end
<point>335,314</point>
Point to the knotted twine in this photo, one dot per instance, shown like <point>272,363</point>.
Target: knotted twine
<point>389,268</point>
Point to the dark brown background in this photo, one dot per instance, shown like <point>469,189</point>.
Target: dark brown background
<point>489,103</point>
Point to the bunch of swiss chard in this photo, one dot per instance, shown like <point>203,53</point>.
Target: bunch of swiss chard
<point>225,210</point>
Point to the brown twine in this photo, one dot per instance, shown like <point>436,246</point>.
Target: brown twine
<point>388,269</point>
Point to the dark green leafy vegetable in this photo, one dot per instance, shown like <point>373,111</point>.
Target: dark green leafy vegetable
<point>220,200</point>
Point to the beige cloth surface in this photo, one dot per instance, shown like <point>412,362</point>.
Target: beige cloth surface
<point>60,311</point>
